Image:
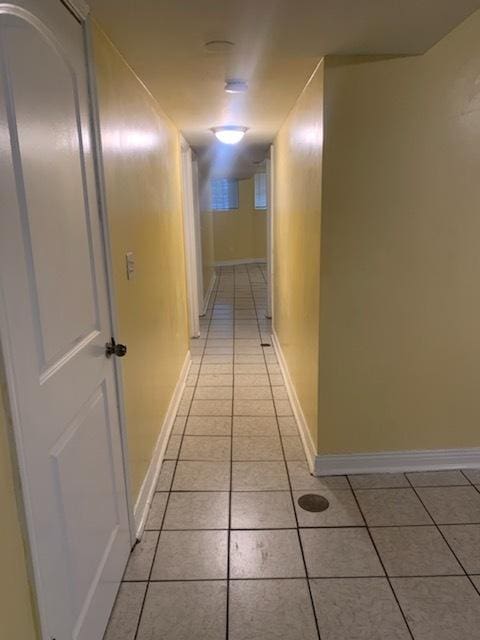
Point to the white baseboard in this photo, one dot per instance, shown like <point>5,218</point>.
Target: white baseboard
<point>230,263</point>
<point>396,461</point>
<point>144,500</point>
<point>208,295</point>
<point>305,436</point>
<point>377,462</point>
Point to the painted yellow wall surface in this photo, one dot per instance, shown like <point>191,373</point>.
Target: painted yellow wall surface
<point>400,308</point>
<point>241,233</point>
<point>17,613</point>
<point>208,252</point>
<point>142,171</point>
<point>206,231</point>
<point>297,225</point>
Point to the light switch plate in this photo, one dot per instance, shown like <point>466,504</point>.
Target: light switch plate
<point>130,265</point>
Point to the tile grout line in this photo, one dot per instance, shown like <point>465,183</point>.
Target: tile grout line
<point>260,579</point>
<point>227,608</point>
<point>306,526</point>
<point>149,581</point>
<point>387,577</point>
<point>477,589</point>
<point>307,581</point>
<point>475,486</point>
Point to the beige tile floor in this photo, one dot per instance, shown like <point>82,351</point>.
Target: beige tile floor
<point>228,552</point>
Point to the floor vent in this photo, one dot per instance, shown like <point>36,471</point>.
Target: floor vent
<point>313,502</point>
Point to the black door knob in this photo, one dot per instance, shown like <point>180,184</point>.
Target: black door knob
<point>114,349</point>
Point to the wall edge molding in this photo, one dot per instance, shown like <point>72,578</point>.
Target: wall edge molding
<point>306,438</point>
<point>145,496</point>
<point>396,461</point>
<point>208,295</point>
<point>79,7</point>
<point>230,263</point>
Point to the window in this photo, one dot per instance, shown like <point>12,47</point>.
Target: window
<point>224,194</point>
<point>260,191</point>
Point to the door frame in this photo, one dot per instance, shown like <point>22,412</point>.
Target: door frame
<point>198,233</point>
<point>80,10</point>
<point>107,252</point>
<point>190,237</point>
<point>270,164</point>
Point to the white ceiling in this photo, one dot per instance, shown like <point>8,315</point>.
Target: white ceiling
<point>277,45</point>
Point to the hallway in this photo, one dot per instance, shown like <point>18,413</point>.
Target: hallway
<point>227,549</point>
<point>174,465</point>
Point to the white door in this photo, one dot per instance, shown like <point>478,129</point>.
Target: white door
<point>54,317</point>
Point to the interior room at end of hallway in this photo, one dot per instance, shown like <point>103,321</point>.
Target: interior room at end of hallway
<point>241,233</point>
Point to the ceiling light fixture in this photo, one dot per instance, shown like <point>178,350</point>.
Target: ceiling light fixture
<point>236,86</point>
<point>229,134</point>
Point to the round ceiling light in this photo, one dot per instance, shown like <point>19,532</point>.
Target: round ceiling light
<point>236,86</point>
<point>219,46</point>
<point>229,134</point>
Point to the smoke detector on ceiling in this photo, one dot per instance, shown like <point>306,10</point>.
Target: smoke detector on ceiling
<point>219,46</point>
<point>236,86</point>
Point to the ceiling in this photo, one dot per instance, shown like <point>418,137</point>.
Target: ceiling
<point>277,46</point>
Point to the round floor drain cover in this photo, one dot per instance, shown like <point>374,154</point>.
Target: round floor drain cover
<point>313,502</point>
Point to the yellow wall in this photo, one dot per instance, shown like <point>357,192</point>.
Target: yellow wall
<point>17,615</point>
<point>206,231</point>
<point>142,170</point>
<point>241,233</point>
<point>208,257</point>
<point>400,340</point>
<point>297,217</point>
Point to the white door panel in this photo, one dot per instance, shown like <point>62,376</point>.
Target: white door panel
<point>53,123</point>
<point>56,322</point>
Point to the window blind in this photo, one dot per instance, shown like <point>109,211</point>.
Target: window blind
<point>224,193</point>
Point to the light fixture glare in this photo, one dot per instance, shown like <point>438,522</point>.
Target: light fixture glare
<point>236,86</point>
<point>230,134</point>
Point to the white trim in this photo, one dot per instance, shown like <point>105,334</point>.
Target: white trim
<point>270,234</point>
<point>208,295</point>
<point>308,444</point>
<point>145,496</point>
<point>78,7</point>
<point>197,225</point>
<point>228,263</point>
<point>396,461</point>
<point>377,462</point>
<point>103,210</point>
<point>190,243</point>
